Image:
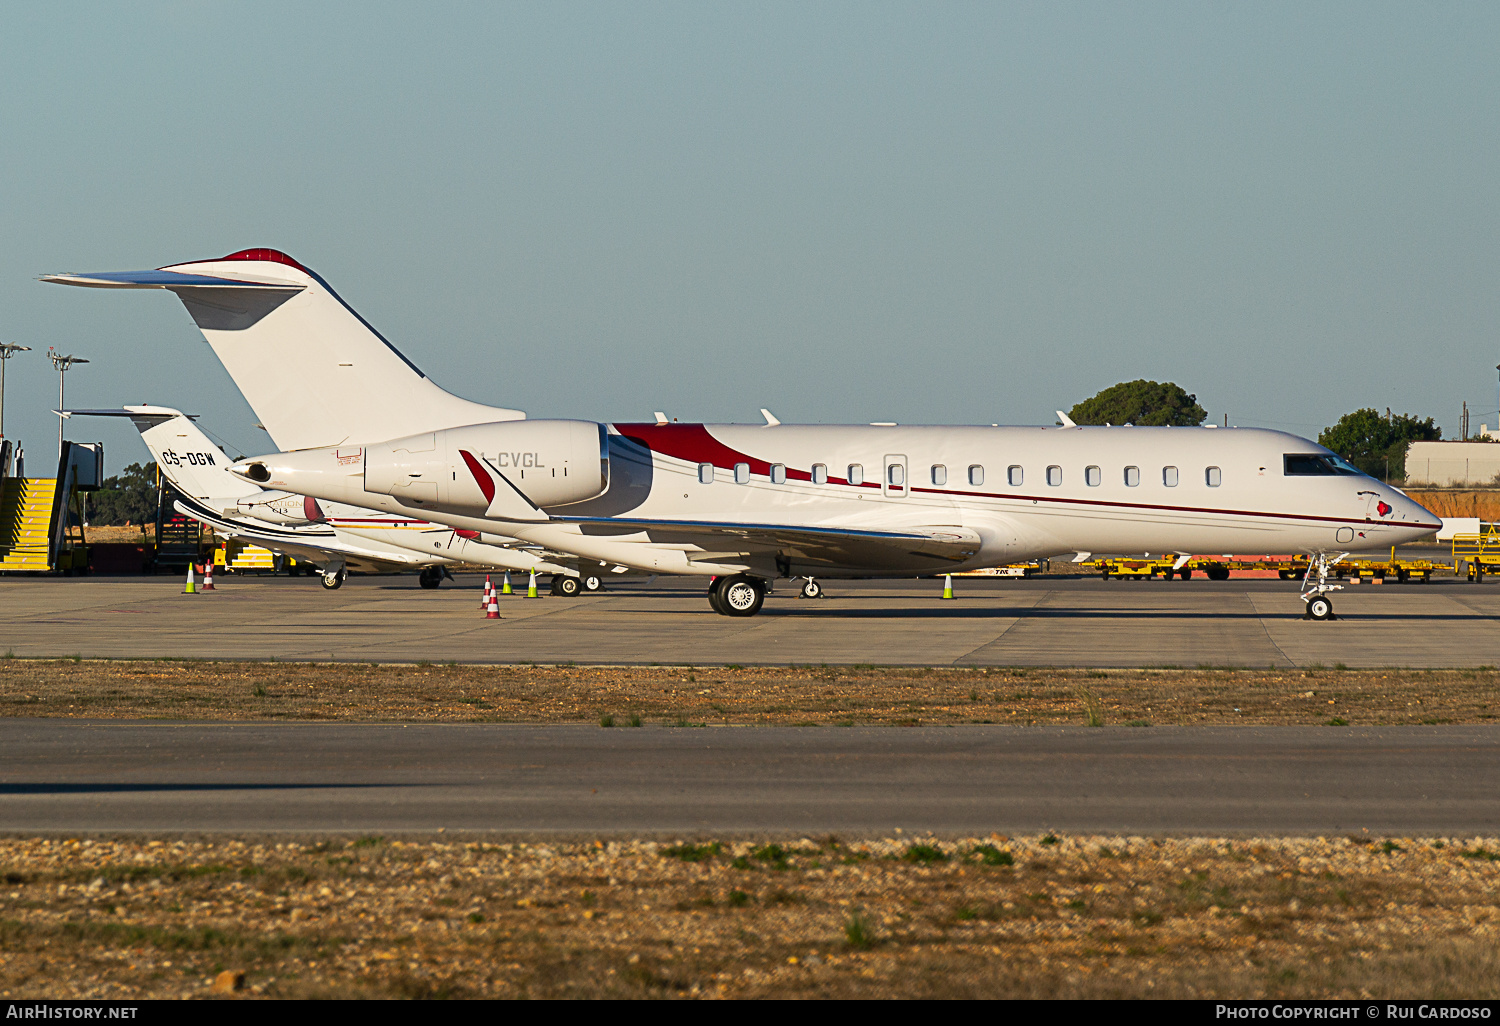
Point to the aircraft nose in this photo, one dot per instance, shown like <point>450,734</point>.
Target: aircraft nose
<point>1408,512</point>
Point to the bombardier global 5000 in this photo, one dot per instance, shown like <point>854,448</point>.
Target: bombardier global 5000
<point>741,504</point>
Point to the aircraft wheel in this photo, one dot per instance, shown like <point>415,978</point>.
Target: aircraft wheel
<point>591,582</point>
<point>430,577</point>
<point>742,595</point>
<point>1320,608</point>
<point>334,579</point>
<point>566,586</point>
<point>812,589</point>
<point>714,600</point>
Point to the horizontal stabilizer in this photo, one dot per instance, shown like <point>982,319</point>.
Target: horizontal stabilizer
<point>160,279</point>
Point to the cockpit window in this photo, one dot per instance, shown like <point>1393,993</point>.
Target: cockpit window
<point>1316,465</point>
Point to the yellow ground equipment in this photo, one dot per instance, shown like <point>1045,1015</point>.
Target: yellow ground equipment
<point>1391,569</point>
<point>26,515</point>
<point>35,535</point>
<point>1478,554</point>
<point>239,556</point>
<point>1026,569</point>
<point>1288,568</point>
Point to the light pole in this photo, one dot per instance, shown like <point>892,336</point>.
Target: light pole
<point>7,350</point>
<point>63,364</point>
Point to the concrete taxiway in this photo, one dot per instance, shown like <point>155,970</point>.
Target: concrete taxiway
<point>1044,621</point>
<point>318,777</point>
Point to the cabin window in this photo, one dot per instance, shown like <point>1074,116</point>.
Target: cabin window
<point>1132,477</point>
<point>1169,476</point>
<point>778,473</point>
<point>820,473</point>
<point>1214,476</point>
<point>1016,476</point>
<point>1054,476</point>
<point>705,473</point>
<point>976,475</point>
<point>856,473</point>
<point>1092,477</point>
<point>895,475</point>
<point>939,474</point>
<point>742,473</point>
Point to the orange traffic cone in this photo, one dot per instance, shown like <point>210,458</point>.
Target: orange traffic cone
<point>492,612</point>
<point>208,576</point>
<point>484,599</point>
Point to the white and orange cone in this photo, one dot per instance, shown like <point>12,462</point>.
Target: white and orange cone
<point>208,576</point>
<point>492,608</point>
<point>484,600</point>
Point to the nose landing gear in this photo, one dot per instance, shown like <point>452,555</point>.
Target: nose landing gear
<point>1318,605</point>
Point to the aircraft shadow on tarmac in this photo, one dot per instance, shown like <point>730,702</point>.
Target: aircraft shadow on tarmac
<point>1033,613</point>
<point>86,788</point>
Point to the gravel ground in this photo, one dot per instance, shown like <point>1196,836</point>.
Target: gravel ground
<point>886,917</point>
<point>199,690</point>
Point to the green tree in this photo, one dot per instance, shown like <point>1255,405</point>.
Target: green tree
<point>1372,442</point>
<point>129,496</point>
<point>1144,403</point>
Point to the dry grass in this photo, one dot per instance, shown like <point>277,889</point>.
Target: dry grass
<point>172,689</point>
<point>991,917</point>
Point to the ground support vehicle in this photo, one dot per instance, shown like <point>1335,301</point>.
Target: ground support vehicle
<point>1027,569</point>
<point>1288,568</point>
<point>1477,555</point>
<point>1393,569</point>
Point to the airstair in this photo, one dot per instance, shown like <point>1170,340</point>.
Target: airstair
<point>26,512</point>
<point>241,556</point>
<point>34,536</point>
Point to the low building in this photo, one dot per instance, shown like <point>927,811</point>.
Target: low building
<point>1453,464</point>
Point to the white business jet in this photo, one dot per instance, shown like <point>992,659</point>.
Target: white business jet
<point>744,504</point>
<point>333,536</point>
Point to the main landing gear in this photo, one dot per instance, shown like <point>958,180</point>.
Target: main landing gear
<point>1315,595</point>
<point>334,577</point>
<point>430,577</point>
<point>737,594</point>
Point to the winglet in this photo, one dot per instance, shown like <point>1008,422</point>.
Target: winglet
<point>1065,420</point>
<point>771,420</point>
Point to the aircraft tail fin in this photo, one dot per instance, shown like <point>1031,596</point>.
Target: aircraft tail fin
<point>195,466</point>
<point>314,371</point>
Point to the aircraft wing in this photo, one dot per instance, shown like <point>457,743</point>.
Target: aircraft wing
<point>919,549</point>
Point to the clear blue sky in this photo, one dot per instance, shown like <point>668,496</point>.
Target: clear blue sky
<point>941,213</point>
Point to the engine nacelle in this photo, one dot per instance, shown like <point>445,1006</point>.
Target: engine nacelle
<point>281,508</point>
<point>551,462</point>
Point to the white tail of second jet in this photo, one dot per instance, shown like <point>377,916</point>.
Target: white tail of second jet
<point>315,372</point>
